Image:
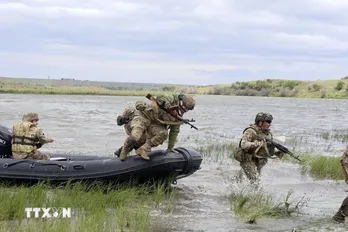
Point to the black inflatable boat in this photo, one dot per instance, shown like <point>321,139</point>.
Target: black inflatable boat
<point>62,168</point>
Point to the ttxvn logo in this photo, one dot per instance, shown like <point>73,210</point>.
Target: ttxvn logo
<point>48,212</point>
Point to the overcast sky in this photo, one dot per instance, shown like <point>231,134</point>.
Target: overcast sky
<point>174,41</point>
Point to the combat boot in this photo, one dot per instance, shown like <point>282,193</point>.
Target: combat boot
<point>127,147</point>
<point>118,152</point>
<point>342,212</point>
<point>142,152</point>
<point>339,217</point>
<point>123,154</point>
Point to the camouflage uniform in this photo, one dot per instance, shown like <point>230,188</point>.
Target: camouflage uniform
<point>125,120</point>
<point>251,155</point>
<point>153,123</point>
<point>27,138</point>
<point>343,210</point>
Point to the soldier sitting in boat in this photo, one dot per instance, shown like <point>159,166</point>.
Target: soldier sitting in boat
<point>27,138</point>
<point>151,122</point>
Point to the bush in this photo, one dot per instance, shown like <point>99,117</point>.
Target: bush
<point>316,87</point>
<point>339,85</point>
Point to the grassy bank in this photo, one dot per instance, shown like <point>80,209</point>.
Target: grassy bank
<point>94,208</point>
<point>20,88</point>
<point>281,88</point>
<point>268,88</point>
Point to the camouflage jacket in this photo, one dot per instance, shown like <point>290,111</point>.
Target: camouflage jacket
<point>249,138</point>
<point>26,137</point>
<point>169,100</point>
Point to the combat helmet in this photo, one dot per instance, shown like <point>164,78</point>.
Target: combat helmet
<point>262,117</point>
<point>186,102</point>
<point>31,116</point>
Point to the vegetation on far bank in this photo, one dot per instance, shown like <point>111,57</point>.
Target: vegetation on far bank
<point>282,88</point>
<point>267,88</point>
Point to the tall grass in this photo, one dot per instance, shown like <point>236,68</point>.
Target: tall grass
<point>95,208</point>
<point>249,205</point>
<point>339,135</point>
<point>218,152</point>
<point>319,166</point>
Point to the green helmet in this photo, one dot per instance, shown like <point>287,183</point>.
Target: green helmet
<point>186,102</point>
<point>31,116</point>
<point>262,117</point>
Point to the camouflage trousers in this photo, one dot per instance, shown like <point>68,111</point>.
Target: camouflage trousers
<point>35,155</point>
<point>252,168</point>
<point>143,134</point>
<point>342,212</point>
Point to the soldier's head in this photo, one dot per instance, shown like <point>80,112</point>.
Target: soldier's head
<point>263,120</point>
<point>31,117</point>
<point>186,103</point>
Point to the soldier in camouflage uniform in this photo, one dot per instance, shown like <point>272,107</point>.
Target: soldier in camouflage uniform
<point>125,120</point>
<point>342,212</point>
<point>153,123</point>
<point>27,138</point>
<point>253,152</point>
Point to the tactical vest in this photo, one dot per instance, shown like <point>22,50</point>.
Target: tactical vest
<point>23,139</point>
<point>241,155</point>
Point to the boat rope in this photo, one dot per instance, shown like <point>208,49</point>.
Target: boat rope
<point>33,164</point>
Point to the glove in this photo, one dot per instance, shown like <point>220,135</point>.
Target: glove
<point>280,154</point>
<point>258,143</point>
<point>122,120</point>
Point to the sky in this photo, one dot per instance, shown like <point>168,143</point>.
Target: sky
<point>197,42</point>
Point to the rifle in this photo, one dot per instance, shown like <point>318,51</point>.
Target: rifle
<point>162,107</point>
<point>280,147</point>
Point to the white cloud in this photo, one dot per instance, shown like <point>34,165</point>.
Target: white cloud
<point>173,41</point>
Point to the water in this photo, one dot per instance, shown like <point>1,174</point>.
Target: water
<point>87,124</point>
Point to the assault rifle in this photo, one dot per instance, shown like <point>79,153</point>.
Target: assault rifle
<point>280,147</point>
<point>162,107</point>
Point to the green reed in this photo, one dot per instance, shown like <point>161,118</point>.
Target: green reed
<point>250,205</point>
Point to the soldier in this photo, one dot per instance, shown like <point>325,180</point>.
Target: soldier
<point>154,123</point>
<point>27,138</point>
<point>253,152</point>
<point>125,120</point>
<point>343,210</point>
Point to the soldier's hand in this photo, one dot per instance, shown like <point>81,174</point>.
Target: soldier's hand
<point>51,140</point>
<point>258,143</point>
<point>122,120</point>
<point>280,154</point>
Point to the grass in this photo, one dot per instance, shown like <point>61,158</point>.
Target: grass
<point>21,88</point>
<point>95,208</point>
<point>217,152</point>
<point>320,166</point>
<point>267,87</point>
<point>280,88</point>
<point>250,205</point>
<point>339,135</point>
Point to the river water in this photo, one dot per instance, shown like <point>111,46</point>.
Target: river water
<point>87,125</point>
